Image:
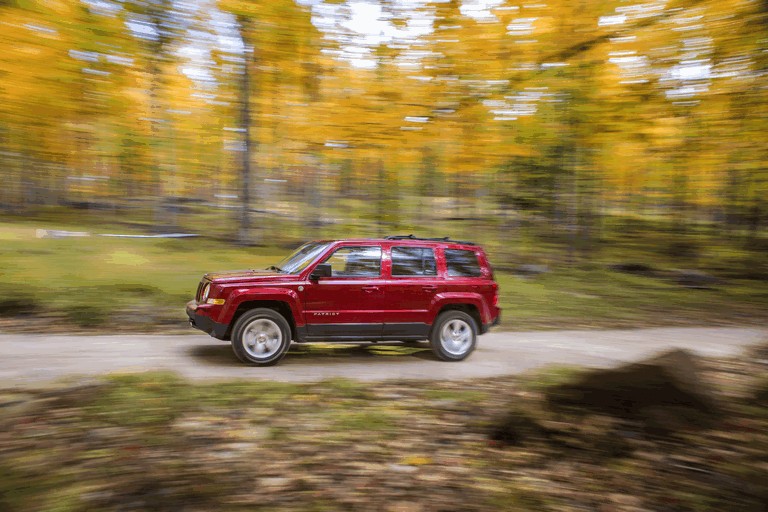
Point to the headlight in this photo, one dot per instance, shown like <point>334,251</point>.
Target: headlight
<point>206,290</point>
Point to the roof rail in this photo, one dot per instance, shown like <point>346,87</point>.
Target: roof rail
<point>441,239</point>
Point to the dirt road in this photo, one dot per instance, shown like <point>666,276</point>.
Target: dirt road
<point>31,359</point>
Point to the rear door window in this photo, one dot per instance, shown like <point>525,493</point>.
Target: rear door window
<point>462,263</point>
<point>413,261</point>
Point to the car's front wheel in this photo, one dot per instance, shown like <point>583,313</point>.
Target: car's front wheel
<point>261,337</point>
<point>454,335</point>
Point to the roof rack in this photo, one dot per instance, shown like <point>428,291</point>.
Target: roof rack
<point>441,239</point>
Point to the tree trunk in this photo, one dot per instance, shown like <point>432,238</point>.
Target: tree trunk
<point>381,203</point>
<point>246,236</point>
<point>159,214</point>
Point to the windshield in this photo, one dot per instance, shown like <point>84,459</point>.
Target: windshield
<point>302,257</point>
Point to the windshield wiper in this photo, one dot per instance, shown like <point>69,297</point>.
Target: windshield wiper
<point>272,267</point>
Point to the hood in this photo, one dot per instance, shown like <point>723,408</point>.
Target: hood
<point>246,275</point>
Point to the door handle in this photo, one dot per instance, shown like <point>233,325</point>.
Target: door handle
<point>428,288</point>
<point>370,289</point>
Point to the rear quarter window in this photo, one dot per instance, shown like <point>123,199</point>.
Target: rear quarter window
<point>462,263</point>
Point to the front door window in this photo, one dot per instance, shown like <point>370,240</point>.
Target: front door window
<point>356,262</point>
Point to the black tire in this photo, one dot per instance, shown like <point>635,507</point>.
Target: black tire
<point>453,336</point>
<point>261,337</point>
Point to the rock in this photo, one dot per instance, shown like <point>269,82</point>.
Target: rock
<point>54,233</point>
<point>74,393</point>
<point>276,483</point>
<point>13,407</point>
<point>402,468</point>
<point>515,428</point>
<point>432,478</point>
<point>404,506</point>
<point>695,279</point>
<point>760,393</point>
<point>667,388</point>
<point>640,269</point>
<point>531,270</point>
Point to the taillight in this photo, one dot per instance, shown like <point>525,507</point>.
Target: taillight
<point>495,294</point>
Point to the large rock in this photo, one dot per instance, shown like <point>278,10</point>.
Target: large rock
<point>666,387</point>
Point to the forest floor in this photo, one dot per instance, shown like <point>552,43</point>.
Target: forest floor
<point>154,441</point>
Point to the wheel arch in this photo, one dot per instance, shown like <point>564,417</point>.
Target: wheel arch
<point>472,303</point>
<point>466,307</point>
<point>279,306</point>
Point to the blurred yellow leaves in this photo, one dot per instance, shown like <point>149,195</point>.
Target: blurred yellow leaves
<point>665,131</point>
<point>416,460</point>
<point>634,93</point>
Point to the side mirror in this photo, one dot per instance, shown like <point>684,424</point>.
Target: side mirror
<point>321,270</point>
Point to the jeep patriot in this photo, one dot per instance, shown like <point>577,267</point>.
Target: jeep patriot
<point>399,288</point>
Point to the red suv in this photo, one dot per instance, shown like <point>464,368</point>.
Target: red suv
<point>400,288</point>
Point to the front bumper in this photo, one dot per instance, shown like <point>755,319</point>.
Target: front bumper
<point>205,323</point>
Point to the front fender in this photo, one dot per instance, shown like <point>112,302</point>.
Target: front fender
<point>474,299</point>
<point>277,294</point>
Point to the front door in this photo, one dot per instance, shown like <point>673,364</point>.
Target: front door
<point>349,304</point>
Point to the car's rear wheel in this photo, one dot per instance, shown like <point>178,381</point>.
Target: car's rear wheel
<point>261,337</point>
<point>454,335</point>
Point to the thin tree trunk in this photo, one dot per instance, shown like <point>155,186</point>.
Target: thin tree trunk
<point>381,202</point>
<point>157,175</point>
<point>245,236</point>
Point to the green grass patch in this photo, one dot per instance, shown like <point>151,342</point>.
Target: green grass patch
<point>369,421</point>
<point>100,283</point>
<point>135,400</point>
<point>339,388</point>
<point>554,375</point>
<point>516,498</point>
<point>459,395</point>
<point>244,393</point>
<point>158,398</point>
<point>602,298</point>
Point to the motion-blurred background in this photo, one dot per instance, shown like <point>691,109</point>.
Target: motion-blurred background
<point>615,149</point>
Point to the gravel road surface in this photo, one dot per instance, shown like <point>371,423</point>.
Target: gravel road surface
<point>32,359</point>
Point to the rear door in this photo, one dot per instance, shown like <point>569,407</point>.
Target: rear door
<point>350,303</point>
<point>410,290</point>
